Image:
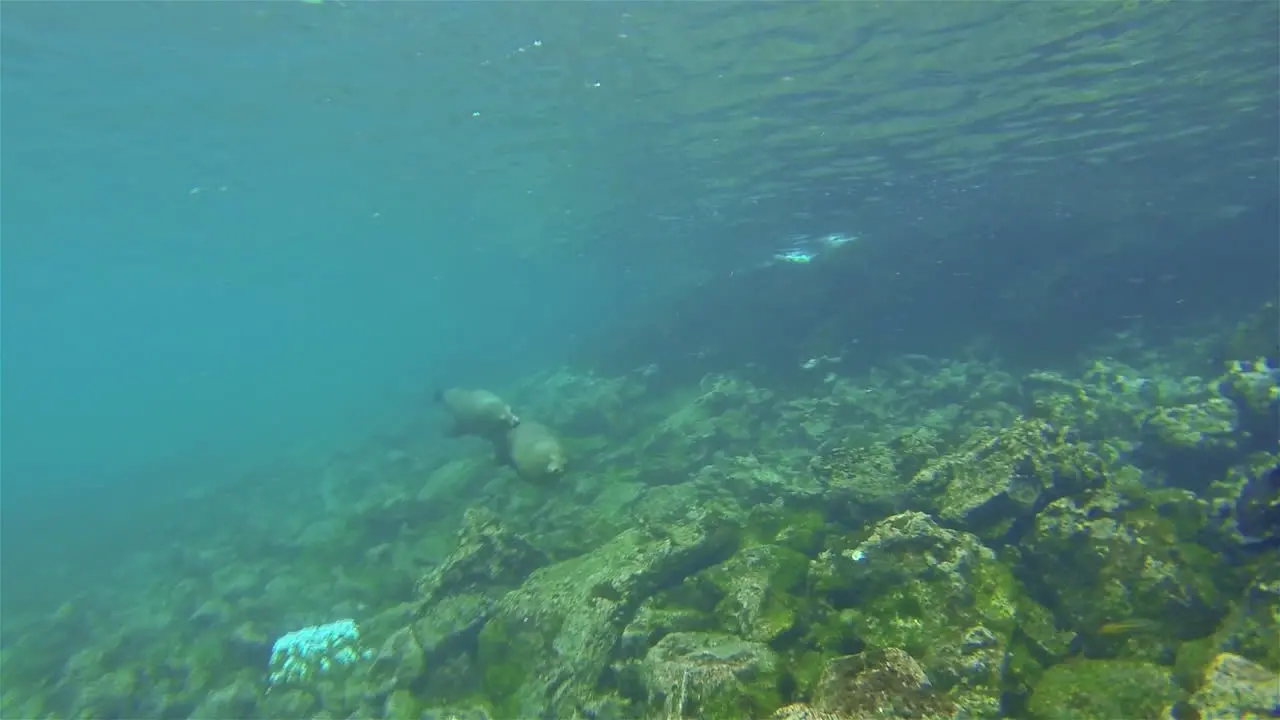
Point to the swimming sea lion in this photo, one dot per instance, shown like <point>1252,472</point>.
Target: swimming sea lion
<point>478,412</point>
<point>534,451</point>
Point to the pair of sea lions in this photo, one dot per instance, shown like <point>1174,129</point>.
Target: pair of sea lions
<point>531,448</point>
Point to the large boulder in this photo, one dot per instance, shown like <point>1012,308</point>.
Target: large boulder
<point>543,651</point>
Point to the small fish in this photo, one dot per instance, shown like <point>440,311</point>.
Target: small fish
<point>798,257</point>
<point>835,240</point>
<point>1131,626</point>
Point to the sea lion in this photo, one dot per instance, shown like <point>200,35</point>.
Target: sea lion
<point>534,451</point>
<point>477,412</point>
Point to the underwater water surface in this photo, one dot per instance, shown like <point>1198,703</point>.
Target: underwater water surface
<point>827,360</point>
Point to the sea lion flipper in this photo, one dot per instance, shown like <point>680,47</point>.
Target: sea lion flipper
<point>503,456</point>
<point>502,453</point>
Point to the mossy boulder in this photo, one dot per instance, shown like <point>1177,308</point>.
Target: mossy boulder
<point>1103,689</point>
<point>1252,627</point>
<point>879,683</point>
<point>1208,425</point>
<point>757,587</point>
<point>775,524</point>
<point>938,594</point>
<point>712,676</point>
<point>669,611</point>
<point>1105,404</point>
<point>294,702</point>
<point>446,633</point>
<point>400,662</point>
<point>1245,503</point>
<point>426,648</point>
<point>402,705</point>
<point>239,699</point>
<point>862,480</point>
<point>1234,687</point>
<point>726,415</point>
<point>1130,564</point>
<point>999,477</point>
<point>1253,386</point>
<point>865,473</point>
<point>756,594</point>
<point>1039,643</point>
<point>547,642</point>
<point>487,557</point>
<point>115,693</point>
<point>754,482</point>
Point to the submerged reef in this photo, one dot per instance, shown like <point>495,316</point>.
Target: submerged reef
<point>933,539</point>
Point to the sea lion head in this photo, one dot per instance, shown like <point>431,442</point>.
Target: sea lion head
<point>557,464</point>
<point>534,452</point>
<point>496,408</point>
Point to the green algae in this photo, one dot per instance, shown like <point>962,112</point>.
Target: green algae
<point>1103,689</point>
<point>999,477</point>
<point>747,578</point>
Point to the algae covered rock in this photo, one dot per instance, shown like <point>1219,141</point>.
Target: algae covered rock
<point>753,481</point>
<point>451,620</point>
<point>1103,689</point>
<point>236,700</point>
<point>1038,643</point>
<point>860,470</point>
<point>727,415</point>
<point>428,646</point>
<point>1246,504</point>
<point>999,477</point>
<point>877,683</point>
<point>712,676</point>
<point>1252,627</point>
<point>1129,562</point>
<point>774,524</point>
<point>487,556</point>
<point>585,403</point>
<point>1206,425</point>
<point>547,642</point>
<point>940,595</point>
<point>863,480</point>
<point>400,662</point>
<point>757,585</point>
<point>803,711</point>
<point>757,594</point>
<point>660,615</point>
<point>1236,688</point>
<point>1255,386</point>
<point>112,694</point>
<point>1106,402</point>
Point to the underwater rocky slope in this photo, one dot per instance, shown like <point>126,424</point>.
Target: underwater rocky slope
<point>935,539</point>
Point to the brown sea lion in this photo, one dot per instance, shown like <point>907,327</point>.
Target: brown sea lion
<point>477,412</point>
<point>534,451</point>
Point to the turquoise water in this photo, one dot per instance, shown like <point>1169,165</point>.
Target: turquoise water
<point>243,238</point>
<point>237,229</point>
